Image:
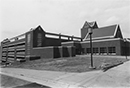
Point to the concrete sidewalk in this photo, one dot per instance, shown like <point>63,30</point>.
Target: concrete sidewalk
<point>116,77</point>
<point>50,78</point>
<point>110,56</point>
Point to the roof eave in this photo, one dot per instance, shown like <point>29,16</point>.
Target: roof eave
<point>101,37</point>
<point>116,30</point>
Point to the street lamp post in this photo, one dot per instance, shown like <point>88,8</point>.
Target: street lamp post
<point>91,47</point>
<point>125,41</point>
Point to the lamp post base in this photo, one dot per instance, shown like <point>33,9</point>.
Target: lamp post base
<point>92,67</point>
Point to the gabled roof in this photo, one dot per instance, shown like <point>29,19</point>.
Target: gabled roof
<point>93,24</point>
<point>37,28</point>
<point>106,32</point>
<point>90,24</point>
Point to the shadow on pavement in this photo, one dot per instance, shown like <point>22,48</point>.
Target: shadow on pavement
<point>32,85</point>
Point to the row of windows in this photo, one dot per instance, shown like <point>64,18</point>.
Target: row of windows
<point>101,50</point>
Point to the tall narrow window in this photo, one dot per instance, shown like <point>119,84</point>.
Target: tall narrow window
<point>83,50</point>
<point>39,39</point>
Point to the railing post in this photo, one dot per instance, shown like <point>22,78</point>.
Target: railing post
<point>68,38</point>
<point>60,37</point>
<point>16,38</point>
<point>72,38</point>
<point>81,39</point>
<point>15,55</point>
<point>7,54</point>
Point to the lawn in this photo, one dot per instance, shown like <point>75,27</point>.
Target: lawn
<point>79,63</point>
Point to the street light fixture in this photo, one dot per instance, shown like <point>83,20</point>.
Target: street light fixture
<point>91,47</point>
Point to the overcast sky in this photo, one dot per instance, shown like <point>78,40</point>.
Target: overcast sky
<point>61,16</point>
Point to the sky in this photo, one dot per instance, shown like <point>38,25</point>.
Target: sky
<point>61,16</point>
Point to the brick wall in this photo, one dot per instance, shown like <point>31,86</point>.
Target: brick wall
<point>68,51</point>
<point>46,52</point>
<point>76,44</point>
<point>115,43</point>
<point>54,52</point>
<point>125,48</point>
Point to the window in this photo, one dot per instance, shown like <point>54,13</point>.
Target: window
<point>111,50</point>
<point>88,50</point>
<point>103,50</point>
<point>39,39</point>
<point>82,50</point>
<point>95,50</point>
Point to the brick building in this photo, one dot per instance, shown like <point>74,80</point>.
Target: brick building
<point>37,43</point>
<point>106,40</point>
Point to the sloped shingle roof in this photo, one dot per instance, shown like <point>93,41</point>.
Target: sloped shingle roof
<point>104,32</point>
